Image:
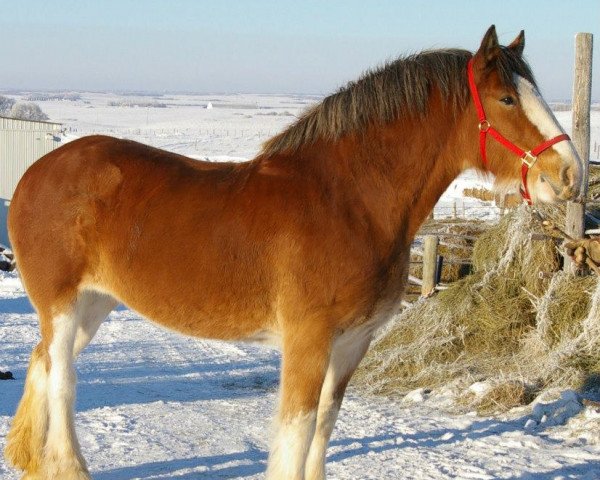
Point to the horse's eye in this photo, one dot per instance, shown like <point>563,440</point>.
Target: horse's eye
<point>508,100</point>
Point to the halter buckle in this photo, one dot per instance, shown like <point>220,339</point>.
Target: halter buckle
<point>484,126</point>
<point>529,159</point>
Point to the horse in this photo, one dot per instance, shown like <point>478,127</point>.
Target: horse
<point>305,246</point>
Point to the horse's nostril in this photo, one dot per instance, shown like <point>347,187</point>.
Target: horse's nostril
<point>566,176</point>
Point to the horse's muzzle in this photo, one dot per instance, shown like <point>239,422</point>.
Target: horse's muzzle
<point>570,183</point>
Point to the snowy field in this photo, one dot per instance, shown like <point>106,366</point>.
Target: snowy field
<point>155,405</point>
<point>233,129</point>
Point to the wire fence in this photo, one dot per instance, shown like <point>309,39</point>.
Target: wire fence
<point>193,134</point>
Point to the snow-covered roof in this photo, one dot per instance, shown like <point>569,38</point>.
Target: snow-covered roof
<point>31,121</point>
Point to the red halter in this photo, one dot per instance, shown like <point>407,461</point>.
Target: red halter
<point>527,157</point>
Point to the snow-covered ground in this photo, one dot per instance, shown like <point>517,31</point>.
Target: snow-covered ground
<point>235,126</point>
<point>155,405</point>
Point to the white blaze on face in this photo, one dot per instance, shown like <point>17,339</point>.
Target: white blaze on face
<point>539,114</point>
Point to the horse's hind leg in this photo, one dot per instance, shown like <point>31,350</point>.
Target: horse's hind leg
<point>73,330</point>
<point>62,457</point>
<point>27,436</point>
<point>42,440</point>
<point>93,308</point>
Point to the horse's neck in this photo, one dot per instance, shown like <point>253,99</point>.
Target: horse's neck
<point>440,168</point>
<point>398,172</point>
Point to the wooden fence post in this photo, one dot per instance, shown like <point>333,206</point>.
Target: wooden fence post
<point>582,88</point>
<point>429,264</point>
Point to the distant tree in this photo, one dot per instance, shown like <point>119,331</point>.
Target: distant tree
<point>27,111</point>
<point>5,105</point>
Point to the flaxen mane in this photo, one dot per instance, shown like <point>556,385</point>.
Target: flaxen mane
<point>401,87</point>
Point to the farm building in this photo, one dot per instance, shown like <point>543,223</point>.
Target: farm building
<point>22,142</point>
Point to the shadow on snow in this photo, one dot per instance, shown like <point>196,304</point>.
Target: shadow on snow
<point>254,462</point>
<point>103,385</point>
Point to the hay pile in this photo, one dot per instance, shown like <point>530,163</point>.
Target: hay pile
<point>594,183</point>
<point>480,193</point>
<point>505,324</point>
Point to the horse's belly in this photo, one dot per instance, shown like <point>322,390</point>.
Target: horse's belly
<point>222,318</point>
<point>264,337</point>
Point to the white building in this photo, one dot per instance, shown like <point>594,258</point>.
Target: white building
<point>22,142</point>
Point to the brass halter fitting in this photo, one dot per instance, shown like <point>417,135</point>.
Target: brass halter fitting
<point>529,159</point>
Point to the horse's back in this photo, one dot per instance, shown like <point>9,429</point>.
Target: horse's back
<point>99,175</point>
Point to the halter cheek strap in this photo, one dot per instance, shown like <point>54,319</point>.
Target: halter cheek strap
<point>528,158</point>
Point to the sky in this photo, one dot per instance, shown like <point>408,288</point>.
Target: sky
<point>269,46</point>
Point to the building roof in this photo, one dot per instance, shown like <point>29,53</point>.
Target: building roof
<point>33,121</point>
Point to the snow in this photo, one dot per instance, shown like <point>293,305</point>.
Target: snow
<point>236,125</point>
<point>155,405</point>
<point>480,388</point>
<point>557,412</point>
<point>233,129</point>
<point>416,396</point>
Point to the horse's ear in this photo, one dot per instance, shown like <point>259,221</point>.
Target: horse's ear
<point>518,44</point>
<point>489,48</point>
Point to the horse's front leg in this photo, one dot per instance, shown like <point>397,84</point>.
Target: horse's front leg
<point>306,351</point>
<point>346,353</point>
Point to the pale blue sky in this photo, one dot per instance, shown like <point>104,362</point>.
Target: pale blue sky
<point>268,46</point>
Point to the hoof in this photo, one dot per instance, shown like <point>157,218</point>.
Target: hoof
<point>316,475</point>
<point>70,475</point>
<point>75,473</point>
<point>64,475</point>
<point>31,476</point>
<point>64,466</point>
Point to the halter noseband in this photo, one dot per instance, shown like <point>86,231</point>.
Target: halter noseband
<point>528,158</point>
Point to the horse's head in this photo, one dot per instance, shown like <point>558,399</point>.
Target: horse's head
<point>520,140</point>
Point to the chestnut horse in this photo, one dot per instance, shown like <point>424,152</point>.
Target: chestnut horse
<point>305,246</point>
